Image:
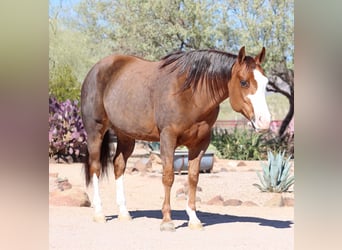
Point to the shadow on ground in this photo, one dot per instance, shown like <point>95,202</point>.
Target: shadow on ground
<point>208,219</point>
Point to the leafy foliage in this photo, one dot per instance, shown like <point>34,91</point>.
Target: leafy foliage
<point>240,144</point>
<point>67,137</point>
<point>276,176</point>
<point>63,84</point>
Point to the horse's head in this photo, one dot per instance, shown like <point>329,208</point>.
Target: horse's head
<point>247,89</point>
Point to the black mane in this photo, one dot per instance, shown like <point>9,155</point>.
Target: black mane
<point>210,65</point>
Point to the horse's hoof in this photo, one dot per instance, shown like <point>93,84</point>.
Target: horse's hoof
<point>99,218</point>
<point>195,226</point>
<point>167,226</point>
<point>124,217</point>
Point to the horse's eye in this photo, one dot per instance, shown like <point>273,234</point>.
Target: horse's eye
<point>244,84</point>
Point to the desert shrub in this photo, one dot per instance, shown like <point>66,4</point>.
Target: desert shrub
<point>67,137</point>
<point>63,84</point>
<point>273,142</point>
<point>240,144</point>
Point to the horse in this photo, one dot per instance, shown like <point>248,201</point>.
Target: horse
<point>174,101</point>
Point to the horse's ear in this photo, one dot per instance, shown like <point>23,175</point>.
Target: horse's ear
<point>260,58</point>
<point>241,55</point>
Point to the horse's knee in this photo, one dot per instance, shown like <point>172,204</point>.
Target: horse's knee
<point>193,177</point>
<point>168,177</point>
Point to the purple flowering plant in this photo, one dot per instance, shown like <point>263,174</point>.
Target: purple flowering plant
<point>67,137</point>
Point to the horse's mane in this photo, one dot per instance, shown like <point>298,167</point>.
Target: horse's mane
<point>210,66</point>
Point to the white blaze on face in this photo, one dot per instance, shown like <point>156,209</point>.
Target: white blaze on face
<point>258,100</point>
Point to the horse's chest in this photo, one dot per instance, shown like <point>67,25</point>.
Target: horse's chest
<point>195,133</point>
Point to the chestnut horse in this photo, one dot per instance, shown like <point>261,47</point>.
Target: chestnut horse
<point>174,101</point>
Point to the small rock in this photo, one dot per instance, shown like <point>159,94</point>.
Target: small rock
<point>63,184</point>
<point>232,202</point>
<point>275,201</point>
<point>181,197</point>
<point>249,204</point>
<point>186,188</point>
<point>71,197</point>
<point>180,191</point>
<point>241,164</point>
<point>223,170</point>
<point>217,200</point>
<point>155,159</point>
<point>54,175</point>
<point>288,202</point>
<point>143,165</point>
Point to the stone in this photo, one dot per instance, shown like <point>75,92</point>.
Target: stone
<point>53,175</point>
<point>275,201</point>
<point>155,159</point>
<point>241,164</point>
<point>288,202</point>
<point>217,200</point>
<point>181,197</point>
<point>249,204</point>
<point>142,166</point>
<point>70,197</point>
<point>232,202</point>
<point>180,191</point>
<point>63,184</point>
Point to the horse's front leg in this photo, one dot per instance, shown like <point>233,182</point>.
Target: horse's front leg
<point>195,156</point>
<point>193,174</point>
<point>167,148</point>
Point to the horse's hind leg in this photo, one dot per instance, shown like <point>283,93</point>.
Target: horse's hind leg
<point>95,138</point>
<point>124,150</point>
<point>195,156</point>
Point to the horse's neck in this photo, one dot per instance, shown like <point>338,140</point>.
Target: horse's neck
<point>209,102</point>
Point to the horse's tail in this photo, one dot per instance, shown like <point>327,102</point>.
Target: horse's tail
<point>104,157</point>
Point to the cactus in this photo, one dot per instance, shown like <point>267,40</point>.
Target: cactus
<point>276,177</point>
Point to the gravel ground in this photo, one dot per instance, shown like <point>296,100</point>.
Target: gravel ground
<point>225,227</point>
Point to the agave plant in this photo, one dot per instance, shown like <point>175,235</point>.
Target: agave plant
<point>276,177</point>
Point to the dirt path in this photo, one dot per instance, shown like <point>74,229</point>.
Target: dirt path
<point>225,227</point>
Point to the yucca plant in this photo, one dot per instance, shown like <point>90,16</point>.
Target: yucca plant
<point>276,177</point>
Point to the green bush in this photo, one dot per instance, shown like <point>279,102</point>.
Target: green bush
<point>240,144</point>
<point>63,84</point>
<point>276,177</point>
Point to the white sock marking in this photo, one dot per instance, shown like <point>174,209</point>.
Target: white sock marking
<point>96,199</point>
<point>193,219</point>
<point>120,196</point>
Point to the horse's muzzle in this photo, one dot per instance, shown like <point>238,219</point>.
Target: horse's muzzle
<point>261,125</point>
